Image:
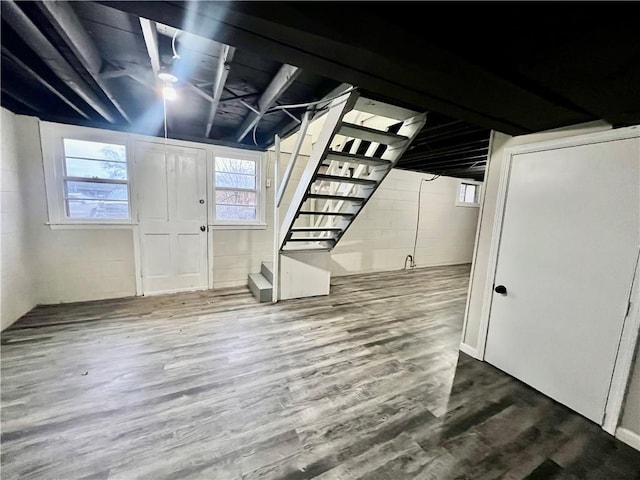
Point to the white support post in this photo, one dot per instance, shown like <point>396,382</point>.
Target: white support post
<point>276,224</point>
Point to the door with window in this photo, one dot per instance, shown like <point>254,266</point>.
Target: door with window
<point>172,195</point>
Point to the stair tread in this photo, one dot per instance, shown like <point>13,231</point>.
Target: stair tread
<point>302,248</point>
<point>260,281</point>
<point>316,229</point>
<point>334,197</point>
<point>342,214</point>
<point>365,133</point>
<point>307,239</point>
<point>356,158</point>
<point>338,178</point>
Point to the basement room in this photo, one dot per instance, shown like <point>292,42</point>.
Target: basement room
<point>319,240</point>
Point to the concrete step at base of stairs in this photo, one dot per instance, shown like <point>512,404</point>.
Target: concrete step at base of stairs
<point>266,269</point>
<point>260,287</point>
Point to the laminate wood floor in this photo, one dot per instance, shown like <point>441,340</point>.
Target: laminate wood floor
<point>366,383</point>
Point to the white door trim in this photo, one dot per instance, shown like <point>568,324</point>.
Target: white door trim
<point>629,337</point>
<point>464,347</point>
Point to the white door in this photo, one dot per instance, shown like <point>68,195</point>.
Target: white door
<point>173,217</point>
<point>567,253</point>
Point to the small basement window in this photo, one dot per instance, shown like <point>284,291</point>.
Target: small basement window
<point>468,194</point>
<point>95,180</point>
<point>87,176</point>
<point>237,191</point>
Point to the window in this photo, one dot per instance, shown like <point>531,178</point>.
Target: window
<point>87,175</point>
<point>468,195</point>
<point>237,190</point>
<point>95,180</point>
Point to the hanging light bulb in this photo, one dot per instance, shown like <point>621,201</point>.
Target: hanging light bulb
<point>169,93</point>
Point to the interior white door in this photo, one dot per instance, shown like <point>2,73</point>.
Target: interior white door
<point>172,194</point>
<point>566,257</point>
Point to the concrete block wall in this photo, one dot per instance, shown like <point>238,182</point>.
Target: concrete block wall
<point>18,294</point>
<point>384,233</point>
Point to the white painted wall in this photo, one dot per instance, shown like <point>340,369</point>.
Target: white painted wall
<point>18,293</point>
<point>237,253</point>
<point>384,233</point>
<point>70,265</point>
<point>89,264</point>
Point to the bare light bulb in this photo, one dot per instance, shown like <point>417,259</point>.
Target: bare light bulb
<point>169,93</point>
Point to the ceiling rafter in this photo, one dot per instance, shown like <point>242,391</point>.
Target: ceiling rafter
<point>278,85</point>
<point>69,27</point>
<point>224,65</point>
<point>150,35</point>
<point>33,74</point>
<point>48,53</point>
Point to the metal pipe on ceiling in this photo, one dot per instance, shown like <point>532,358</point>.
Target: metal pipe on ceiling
<point>42,47</point>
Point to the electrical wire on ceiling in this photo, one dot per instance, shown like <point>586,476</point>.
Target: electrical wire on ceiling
<point>412,258</point>
<point>173,44</point>
<point>299,105</point>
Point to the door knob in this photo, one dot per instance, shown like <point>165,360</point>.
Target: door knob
<point>202,228</point>
<point>501,289</point>
<point>201,201</point>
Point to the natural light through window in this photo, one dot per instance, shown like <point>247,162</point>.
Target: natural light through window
<point>468,195</point>
<point>236,185</point>
<point>95,180</point>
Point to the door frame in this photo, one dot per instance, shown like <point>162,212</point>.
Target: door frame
<point>631,323</point>
<point>137,236</point>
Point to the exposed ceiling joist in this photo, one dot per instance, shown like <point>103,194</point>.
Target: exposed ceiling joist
<point>199,91</point>
<point>150,34</point>
<point>278,85</point>
<point>21,99</point>
<point>36,40</point>
<point>224,65</point>
<point>30,72</point>
<point>69,27</point>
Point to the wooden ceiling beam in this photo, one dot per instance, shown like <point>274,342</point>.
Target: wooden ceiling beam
<point>68,25</point>
<point>33,74</point>
<point>278,85</point>
<point>42,47</point>
<point>150,35</point>
<point>19,98</point>
<point>224,65</point>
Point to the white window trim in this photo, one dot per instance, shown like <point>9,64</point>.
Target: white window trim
<point>259,158</point>
<point>478,194</point>
<point>52,136</point>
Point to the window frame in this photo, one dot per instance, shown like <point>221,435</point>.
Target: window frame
<point>475,204</point>
<point>258,158</point>
<point>53,154</point>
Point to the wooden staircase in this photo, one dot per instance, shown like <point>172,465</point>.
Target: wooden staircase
<point>337,184</point>
<point>348,163</point>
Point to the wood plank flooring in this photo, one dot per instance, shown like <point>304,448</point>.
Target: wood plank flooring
<point>366,383</point>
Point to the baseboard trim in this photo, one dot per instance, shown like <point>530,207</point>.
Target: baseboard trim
<point>469,350</point>
<point>630,438</point>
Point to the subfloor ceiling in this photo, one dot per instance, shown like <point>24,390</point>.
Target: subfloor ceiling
<point>475,67</point>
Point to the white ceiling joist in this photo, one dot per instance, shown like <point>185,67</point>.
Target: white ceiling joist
<point>278,85</point>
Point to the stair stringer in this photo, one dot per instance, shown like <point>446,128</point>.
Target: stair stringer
<point>337,110</point>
